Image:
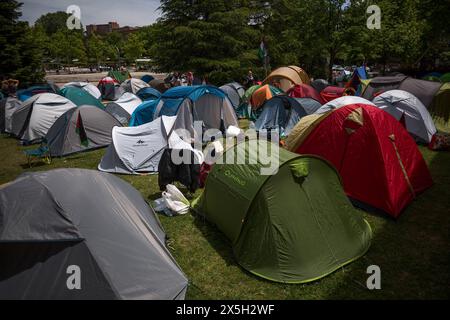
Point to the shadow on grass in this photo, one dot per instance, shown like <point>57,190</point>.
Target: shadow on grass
<point>412,251</point>
<point>34,164</point>
<point>220,243</point>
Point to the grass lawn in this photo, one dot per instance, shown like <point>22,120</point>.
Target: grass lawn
<point>413,252</point>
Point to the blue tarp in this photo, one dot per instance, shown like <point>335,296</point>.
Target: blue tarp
<point>358,75</point>
<point>147,78</point>
<point>361,73</point>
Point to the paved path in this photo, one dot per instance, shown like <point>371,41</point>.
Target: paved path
<point>61,79</point>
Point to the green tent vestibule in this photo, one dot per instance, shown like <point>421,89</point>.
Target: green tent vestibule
<point>294,226</point>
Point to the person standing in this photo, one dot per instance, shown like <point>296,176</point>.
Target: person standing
<point>250,79</point>
<point>190,78</point>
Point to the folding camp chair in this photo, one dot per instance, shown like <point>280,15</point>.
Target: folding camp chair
<point>43,152</point>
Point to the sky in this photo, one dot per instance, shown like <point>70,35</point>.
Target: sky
<point>125,12</point>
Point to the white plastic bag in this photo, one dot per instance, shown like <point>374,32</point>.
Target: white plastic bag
<point>233,131</point>
<point>173,201</point>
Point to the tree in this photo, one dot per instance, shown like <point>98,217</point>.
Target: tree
<point>53,22</point>
<point>435,43</point>
<point>115,42</point>
<point>211,38</point>
<point>134,47</point>
<point>98,50</point>
<point>66,46</point>
<point>20,56</point>
<point>296,31</point>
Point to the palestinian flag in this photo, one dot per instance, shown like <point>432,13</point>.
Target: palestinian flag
<point>262,52</point>
<point>79,129</point>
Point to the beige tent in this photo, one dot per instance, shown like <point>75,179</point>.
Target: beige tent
<point>302,73</point>
<point>287,77</point>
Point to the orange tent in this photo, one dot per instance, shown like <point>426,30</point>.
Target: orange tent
<point>263,94</point>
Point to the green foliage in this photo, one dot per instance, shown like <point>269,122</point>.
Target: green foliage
<point>134,47</point>
<point>219,39</point>
<point>52,22</point>
<point>211,38</point>
<point>20,57</point>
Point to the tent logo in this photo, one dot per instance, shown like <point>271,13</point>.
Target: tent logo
<point>140,143</point>
<point>74,280</point>
<point>235,178</point>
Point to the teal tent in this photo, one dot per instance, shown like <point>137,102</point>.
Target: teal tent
<point>81,97</point>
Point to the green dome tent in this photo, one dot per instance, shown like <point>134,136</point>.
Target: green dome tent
<point>294,226</point>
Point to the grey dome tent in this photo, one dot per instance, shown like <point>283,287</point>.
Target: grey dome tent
<point>99,235</point>
<point>133,85</point>
<point>235,93</point>
<point>319,84</point>
<point>207,103</point>
<point>65,136</point>
<point>123,108</point>
<point>34,118</point>
<point>282,113</point>
<point>422,89</point>
<point>408,109</point>
<point>293,226</point>
<point>7,107</point>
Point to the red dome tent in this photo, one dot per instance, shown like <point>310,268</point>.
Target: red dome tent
<point>380,164</point>
<point>331,92</point>
<point>305,91</point>
<point>109,88</point>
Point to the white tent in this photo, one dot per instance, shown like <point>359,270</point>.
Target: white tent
<point>137,150</point>
<point>401,104</point>
<point>86,86</point>
<point>32,121</point>
<point>342,102</point>
<point>134,85</point>
<point>123,108</point>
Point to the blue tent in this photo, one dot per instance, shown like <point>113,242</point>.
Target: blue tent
<point>24,94</point>
<point>203,103</point>
<point>282,113</point>
<point>144,113</point>
<point>148,94</point>
<point>147,78</point>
